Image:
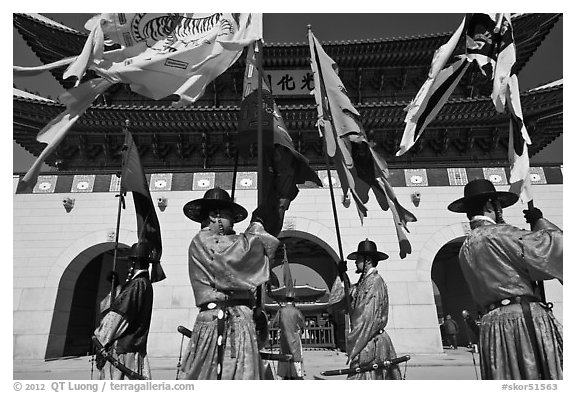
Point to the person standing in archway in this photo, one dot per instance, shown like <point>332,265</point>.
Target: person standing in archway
<point>451,330</point>
<point>123,332</point>
<point>519,336</point>
<point>291,323</point>
<point>225,270</point>
<point>367,343</point>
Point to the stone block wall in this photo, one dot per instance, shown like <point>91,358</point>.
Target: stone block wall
<point>46,239</point>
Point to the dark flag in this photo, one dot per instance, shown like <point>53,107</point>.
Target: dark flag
<point>133,179</point>
<point>490,42</point>
<point>284,166</point>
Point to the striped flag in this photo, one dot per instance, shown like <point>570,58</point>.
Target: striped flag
<point>161,55</point>
<point>435,91</point>
<point>490,42</point>
<point>360,168</point>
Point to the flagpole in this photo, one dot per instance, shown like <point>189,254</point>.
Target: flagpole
<point>235,173</point>
<point>334,211</point>
<point>121,203</point>
<point>260,169</point>
<point>260,142</point>
<point>539,284</point>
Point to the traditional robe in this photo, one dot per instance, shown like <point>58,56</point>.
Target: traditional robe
<point>225,267</point>
<point>501,261</point>
<point>126,325</point>
<point>368,342</point>
<point>290,321</point>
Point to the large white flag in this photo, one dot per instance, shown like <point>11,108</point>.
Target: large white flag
<point>161,55</point>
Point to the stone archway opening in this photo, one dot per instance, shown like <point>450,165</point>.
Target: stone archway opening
<point>82,287</point>
<point>453,294</point>
<point>312,262</point>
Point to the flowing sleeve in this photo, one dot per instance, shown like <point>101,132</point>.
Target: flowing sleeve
<point>337,298</point>
<point>543,251</point>
<point>125,306</point>
<point>111,328</point>
<point>370,315</point>
<point>241,264</point>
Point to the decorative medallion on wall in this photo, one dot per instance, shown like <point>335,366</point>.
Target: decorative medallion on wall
<point>161,182</point>
<point>203,181</point>
<point>114,183</point>
<point>416,177</point>
<point>289,224</point>
<point>496,175</point>
<point>537,175</point>
<point>111,236</point>
<point>246,181</point>
<point>457,176</point>
<point>45,184</point>
<point>323,175</point>
<point>83,183</point>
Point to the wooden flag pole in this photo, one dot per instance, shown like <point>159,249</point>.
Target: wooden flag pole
<point>342,275</point>
<point>539,284</point>
<point>260,170</point>
<point>260,141</point>
<point>121,205</point>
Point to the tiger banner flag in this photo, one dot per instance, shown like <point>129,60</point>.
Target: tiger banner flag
<point>160,56</point>
<point>133,179</point>
<point>360,168</point>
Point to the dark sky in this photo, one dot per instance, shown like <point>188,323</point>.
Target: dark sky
<point>545,66</point>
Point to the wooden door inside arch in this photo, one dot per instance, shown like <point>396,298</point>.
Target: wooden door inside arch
<point>82,288</point>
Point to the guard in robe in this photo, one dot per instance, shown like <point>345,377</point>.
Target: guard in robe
<point>367,342</point>
<point>291,322</point>
<point>123,331</point>
<point>225,270</point>
<point>519,336</point>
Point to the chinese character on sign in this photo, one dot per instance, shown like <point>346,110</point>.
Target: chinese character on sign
<point>307,82</point>
<point>287,83</point>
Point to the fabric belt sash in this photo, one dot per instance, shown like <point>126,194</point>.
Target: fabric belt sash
<point>225,304</point>
<point>222,307</point>
<point>542,369</point>
<point>511,300</point>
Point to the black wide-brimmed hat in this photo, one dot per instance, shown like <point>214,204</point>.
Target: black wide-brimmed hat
<point>479,190</point>
<point>140,251</point>
<point>368,247</point>
<point>214,199</point>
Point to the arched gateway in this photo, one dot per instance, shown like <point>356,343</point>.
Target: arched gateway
<point>312,263</point>
<point>81,289</point>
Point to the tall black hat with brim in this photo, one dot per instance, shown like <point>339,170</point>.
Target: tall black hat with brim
<point>214,199</point>
<point>140,255</point>
<point>140,252</point>
<point>478,191</point>
<point>368,248</point>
